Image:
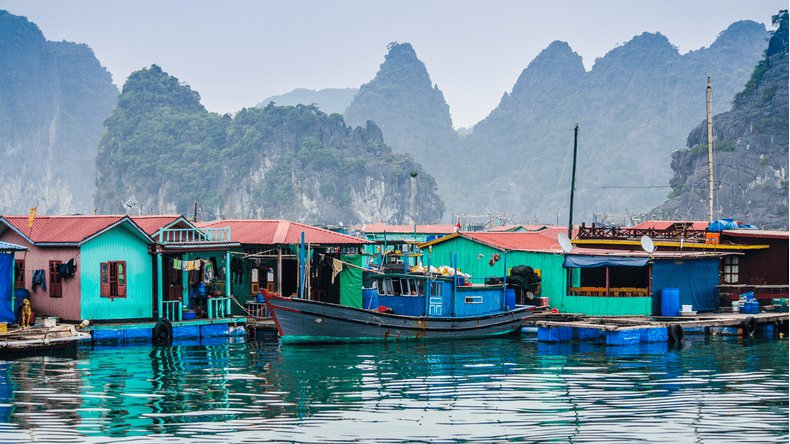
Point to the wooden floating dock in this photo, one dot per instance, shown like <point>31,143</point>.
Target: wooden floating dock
<point>627,330</point>
<point>39,339</point>
<point>261,325</point>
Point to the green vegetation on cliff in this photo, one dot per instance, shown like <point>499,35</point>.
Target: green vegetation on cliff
<point>296,162</point>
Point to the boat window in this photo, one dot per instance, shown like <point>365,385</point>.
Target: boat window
<point>420,287</point>
<point>387,286</point>
<point>473,300</point>
<point>396,288</point>
<point>436,289</point>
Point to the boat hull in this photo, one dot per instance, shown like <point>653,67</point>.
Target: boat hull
<point>302,321</point>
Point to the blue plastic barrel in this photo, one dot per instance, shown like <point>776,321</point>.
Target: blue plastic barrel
<point>670,301</point>
<point>370,298</point>
<point>510,298</point>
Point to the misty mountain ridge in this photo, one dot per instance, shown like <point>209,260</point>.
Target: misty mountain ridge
<point>54,97</point>
<point>328,100</point>
<point>750,147</point>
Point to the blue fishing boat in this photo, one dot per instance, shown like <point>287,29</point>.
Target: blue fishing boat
<point>402,306</point>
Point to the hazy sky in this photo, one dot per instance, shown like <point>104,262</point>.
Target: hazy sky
<point>236,53</point>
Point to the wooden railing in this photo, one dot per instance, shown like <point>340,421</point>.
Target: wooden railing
<point>218,308</point>
<point>171,310</point>
<point>620,233</point>
<point>177,236</point>
<point>613,291</point>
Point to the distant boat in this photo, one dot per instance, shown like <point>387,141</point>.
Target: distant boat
<point>400,308</point>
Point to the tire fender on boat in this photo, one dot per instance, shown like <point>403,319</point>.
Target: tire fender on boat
<point>163,331</point>
<point>675,333</point>
<point>749,325</point>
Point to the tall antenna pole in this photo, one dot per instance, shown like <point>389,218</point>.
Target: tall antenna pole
<point>414,200</point>
<point>710,155</point>
<point>573,179</point>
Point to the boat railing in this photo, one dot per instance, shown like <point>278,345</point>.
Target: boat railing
<point>172,310</point>
<point>218,307</point>
<point>257,309</point>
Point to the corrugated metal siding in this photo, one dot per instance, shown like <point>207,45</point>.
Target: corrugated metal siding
<point>469,261</point>
<point>118,244</point>
<point>606,306</point>
<point>37,258</point>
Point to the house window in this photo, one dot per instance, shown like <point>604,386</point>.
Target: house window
<point>19,274</point>
<point>113,279</point>
<point>730,274</point>
<point>55,286</point>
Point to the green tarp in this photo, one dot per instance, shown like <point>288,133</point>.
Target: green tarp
<point>351,281</point>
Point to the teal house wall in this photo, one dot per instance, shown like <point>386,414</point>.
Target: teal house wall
<point>117,244</point>
<point>470,261</point>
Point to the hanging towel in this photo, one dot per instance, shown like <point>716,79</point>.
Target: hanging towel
<point>190,265</point>
<point>337,267</point>
<point>208,272</point>
<point>177,264</point>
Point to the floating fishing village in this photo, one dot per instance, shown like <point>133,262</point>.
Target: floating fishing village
<point>119,279</point>
<point>278,222</point>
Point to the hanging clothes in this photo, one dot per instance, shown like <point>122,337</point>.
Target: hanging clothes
<point>177,264</point>
<point>337,267</point>
<point>39,278</point>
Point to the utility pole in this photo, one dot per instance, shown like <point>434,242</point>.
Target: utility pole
<point>573,179</point>
<point>710,155</point>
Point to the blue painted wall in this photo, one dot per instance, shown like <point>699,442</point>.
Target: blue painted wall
<point>117,244</point>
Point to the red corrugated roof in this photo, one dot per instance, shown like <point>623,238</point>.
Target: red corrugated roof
<point>152,224</point>
<point>667,224</point>
<point>544,241</point>
<point>63,229</point>
<point>531,227</point>
<point>280,232</point>
<point>421,229</point>
<point>765,234</point>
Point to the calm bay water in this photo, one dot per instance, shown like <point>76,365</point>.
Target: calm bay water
<point>710,390</point>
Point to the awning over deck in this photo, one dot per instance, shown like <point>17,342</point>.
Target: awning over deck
<point>579,261</point>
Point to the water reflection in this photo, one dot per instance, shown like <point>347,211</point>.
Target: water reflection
<point>509,388</point>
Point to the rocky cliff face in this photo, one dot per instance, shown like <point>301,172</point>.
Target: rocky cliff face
<point>54,97</point>
<point>634,108</point>
<point>290,162</point>
<point>750,151</point>
<point>410,110</point>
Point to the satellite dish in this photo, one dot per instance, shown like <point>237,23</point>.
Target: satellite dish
<point>565,242</point>
<point>647,244</point>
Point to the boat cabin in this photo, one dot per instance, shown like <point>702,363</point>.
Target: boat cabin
<point>439,296</point>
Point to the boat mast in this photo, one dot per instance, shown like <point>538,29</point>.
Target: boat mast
<point>573,179</point>
<point>710,155</point>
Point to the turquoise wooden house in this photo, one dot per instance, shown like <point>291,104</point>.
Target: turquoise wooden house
<point>181,254</point>
<point>82,267</point>
<point>484,255</point>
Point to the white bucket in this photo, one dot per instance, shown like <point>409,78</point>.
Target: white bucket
<point>686,308</point>
<point>735,307</point>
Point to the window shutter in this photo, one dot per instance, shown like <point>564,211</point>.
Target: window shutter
<point>121,279</point>
<point>105,279</point>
